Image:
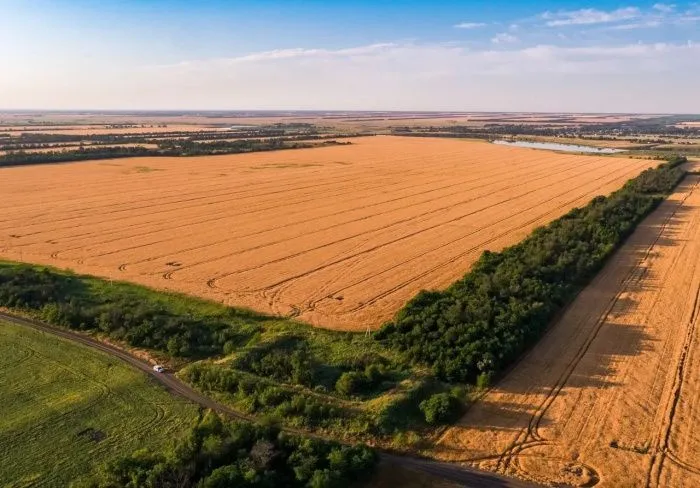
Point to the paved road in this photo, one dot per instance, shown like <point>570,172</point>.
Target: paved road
<point>465,476</point>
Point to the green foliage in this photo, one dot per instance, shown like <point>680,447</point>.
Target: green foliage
<point>440,408</point>
<point>483,322</point>
<point>353,383</point>
<point>263,397</point>
<point>65,300</point>
<point>219,454</point>
<point>287,359</point>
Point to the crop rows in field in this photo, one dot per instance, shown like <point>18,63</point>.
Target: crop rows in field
<point>340,237</point>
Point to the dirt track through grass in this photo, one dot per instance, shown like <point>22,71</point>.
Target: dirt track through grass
<point>340,237</point>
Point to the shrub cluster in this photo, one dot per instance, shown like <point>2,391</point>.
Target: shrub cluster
<point>483,322</point>
<point>62,300</point>
<point>356,383</point>
<point>287,360</point>
<point>440,408</point>
<point>258,396</point>
<point>218,454</point>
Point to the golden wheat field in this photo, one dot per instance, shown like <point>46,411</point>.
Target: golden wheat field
<point>340,236</point>
<point>609,396</point>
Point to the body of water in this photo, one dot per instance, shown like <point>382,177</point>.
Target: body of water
<point>555,146</point>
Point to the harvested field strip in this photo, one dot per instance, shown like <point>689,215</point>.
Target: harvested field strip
<point>392,196</point>
<point>594,402</point>
<point>363,231</point>
<point>537,220</point>
<point>351,177</point>
<point>339,236</point>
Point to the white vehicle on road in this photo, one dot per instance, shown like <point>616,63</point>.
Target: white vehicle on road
<point>159,368</point>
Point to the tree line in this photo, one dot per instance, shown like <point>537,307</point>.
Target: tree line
<point>165,148</point>
<point>67,301</point>
<point>481,324</point>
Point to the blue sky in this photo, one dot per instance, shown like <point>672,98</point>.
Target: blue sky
<point>404,55</point>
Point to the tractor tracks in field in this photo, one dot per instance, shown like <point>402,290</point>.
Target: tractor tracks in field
<point>475,248</point>
<point>305,221</point>
<point>662,444</point>
<point>374,248</point>
<point>530,436</point>
<point>418,217</point>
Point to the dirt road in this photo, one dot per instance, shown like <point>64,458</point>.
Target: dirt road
<point>453,472</point>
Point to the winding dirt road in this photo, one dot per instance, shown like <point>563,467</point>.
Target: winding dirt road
<point>467,477</point>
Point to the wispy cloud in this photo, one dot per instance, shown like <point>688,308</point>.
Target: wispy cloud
<point>622,19</point>
<point>649,24</point>
<point>401,75</point>
<point>504,38</point>
<point>469,25</point>
<point>589,16</point>
<point>664,7</point>
<point>450,58</point>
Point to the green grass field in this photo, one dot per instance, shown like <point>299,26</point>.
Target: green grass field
<point>66,409</point>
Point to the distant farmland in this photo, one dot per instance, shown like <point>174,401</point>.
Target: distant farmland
<point>340,237</point>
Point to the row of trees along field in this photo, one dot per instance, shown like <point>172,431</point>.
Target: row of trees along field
<point>39,141</point>
<point>483,322</point>
<point>165,148</point>
<point>310,378</point>
<point>219,454</point>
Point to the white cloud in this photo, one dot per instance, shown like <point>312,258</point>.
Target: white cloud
<point>649,24</point>
<point>407,76</point>
<point>664,7</point>
<point>504,38</point>
<point>469,25</point>
<point>589,16</point>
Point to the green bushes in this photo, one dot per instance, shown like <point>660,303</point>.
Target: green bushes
<point>224,454</point>
<point>356,383</point>
<point>440,408</point>
<point>484,321</point>
<point>263,397</point>
<point>65,300</point>
<point>288,360</point>
<point>32,289</point>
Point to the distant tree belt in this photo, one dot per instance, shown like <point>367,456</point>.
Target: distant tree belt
<point>91,142</point>
<point>220,454</point>
<point>611,131</point>
<point>481,324</point>
<point>165,148</point>
<point>30,138</point>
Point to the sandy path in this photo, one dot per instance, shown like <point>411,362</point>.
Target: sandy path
<point>609,396</point>
<point>339,236</point>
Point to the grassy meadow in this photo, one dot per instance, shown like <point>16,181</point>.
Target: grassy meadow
<point>67,409</point>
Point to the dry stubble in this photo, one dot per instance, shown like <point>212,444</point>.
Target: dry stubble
<point>340,236</point>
